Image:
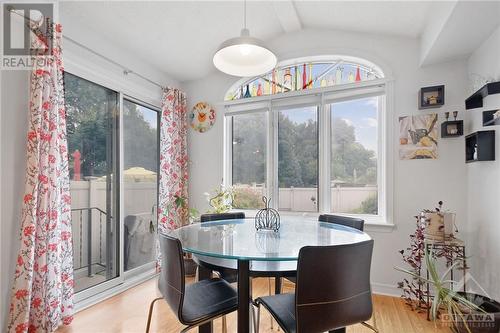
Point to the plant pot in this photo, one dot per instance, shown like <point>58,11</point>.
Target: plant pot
<point>478,322</point>
<point>435,226</point>
<point>190,266</point>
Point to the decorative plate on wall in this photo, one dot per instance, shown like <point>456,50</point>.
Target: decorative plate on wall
<point>202,117</point>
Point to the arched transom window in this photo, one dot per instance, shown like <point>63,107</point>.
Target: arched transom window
<point>301,74</point>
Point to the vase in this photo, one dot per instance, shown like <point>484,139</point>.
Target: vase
<point>435,228</point>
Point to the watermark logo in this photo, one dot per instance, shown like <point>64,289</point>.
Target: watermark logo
<point>472,320</point>
<point>27,34</point>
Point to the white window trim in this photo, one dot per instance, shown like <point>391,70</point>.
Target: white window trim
<point>322,97</point>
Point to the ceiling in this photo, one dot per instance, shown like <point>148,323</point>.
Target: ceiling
<point>180,38</point>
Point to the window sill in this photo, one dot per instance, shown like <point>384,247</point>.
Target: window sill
<point>372,223</point>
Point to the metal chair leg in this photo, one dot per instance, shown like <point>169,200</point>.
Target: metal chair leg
<point>256,318</point>
<point>224,324</point>
<point>270,293</point>
<point>151,313</point>
<point>369,326</point>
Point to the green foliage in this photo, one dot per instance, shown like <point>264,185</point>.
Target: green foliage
<point>249,149</point>
<point>351,162</point>
<point>247,198</point>
<point>91,117</point>
<point>298,152</point>
<point>182,202</point>
<point>368,206</point>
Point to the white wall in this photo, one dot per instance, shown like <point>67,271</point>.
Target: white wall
<point>14,125</point>
<point>418,184</point>
<point>484,180</point>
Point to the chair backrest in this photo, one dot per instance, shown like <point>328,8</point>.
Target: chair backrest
<point>171,281</point>
<point>222,216</point>
<point>333,286</point>
<point>343,220</point>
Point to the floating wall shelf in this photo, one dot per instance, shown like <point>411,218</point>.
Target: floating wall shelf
<point>452,128</point>
<point>431,97</point>
<point>488,119</point>
<point>476,99</point>
<point>480,146</point>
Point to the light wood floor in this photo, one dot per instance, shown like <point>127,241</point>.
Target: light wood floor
<point>127,313</point>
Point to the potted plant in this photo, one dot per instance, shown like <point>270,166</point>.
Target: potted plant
<point>221,200</point>
<point>464,312</point>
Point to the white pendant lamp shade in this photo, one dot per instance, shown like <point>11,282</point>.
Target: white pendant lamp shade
<point>244,56</point>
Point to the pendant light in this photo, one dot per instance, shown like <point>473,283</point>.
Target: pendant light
<point>245,55</point>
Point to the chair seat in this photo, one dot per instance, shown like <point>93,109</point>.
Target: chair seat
<point>208,299</point>
<point>282,308</point>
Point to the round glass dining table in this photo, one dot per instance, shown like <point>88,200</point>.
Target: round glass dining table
<point>238,245</point>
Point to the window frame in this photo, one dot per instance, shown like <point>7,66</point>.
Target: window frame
<point>322,97</point>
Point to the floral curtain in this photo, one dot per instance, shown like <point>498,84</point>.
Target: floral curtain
<point>173,161</point>
<point>42,294</point>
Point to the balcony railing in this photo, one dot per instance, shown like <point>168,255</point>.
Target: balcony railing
<point>86,221</point>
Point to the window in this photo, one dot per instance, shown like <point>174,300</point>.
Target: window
<point>249,141</point>
<point>321,149</point>
<point>354,146</point>
<point>296,75</point>
<point>140,182</point>
<point>298,159</point>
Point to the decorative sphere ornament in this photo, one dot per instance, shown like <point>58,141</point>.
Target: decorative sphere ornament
<point>267,218</point>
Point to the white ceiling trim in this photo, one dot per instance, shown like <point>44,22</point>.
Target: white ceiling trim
<point>287,15</point>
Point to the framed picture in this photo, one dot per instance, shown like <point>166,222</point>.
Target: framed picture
<point>418,137</point>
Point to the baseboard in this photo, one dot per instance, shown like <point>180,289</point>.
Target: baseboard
<point>385,289</point>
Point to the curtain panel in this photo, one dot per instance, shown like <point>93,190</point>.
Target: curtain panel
<point>42,293</point>
<point>173,181</point>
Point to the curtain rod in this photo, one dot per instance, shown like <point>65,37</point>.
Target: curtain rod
<point>125,69</point>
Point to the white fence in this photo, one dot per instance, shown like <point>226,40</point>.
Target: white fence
<point>139,197</point>
<point>300,199</point>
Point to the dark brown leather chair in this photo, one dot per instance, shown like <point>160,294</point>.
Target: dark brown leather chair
<point>352,222</point>
<point>221,216</point>
<point>194,304</point>
<point>328,297</point>
<point>229,275</point>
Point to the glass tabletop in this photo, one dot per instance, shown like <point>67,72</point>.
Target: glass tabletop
<point>238,239</point>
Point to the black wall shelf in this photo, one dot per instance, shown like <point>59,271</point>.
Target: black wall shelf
<point>480,146</point>
<point>431,97</point>
<point>488,119</point>
<point>476,99</point>
<point>449,127</point>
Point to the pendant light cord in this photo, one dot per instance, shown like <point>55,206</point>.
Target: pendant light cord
<point>244,14</point>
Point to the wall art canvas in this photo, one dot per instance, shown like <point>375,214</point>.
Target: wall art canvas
<point>202,117</point>
<point>418,137</point>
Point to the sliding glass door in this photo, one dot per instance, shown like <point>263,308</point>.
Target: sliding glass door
<point>113,144</point>
<point>140,183</point>
<point>92,128</point>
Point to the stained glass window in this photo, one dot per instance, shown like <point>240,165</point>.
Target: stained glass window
<point>305,75</point>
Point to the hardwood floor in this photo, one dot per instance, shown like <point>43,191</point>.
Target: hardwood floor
<point>127,313</point>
